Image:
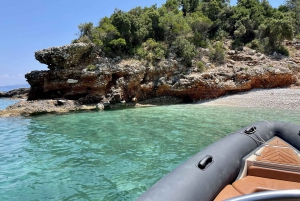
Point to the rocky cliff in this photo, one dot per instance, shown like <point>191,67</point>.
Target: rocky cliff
<point>80,72</point>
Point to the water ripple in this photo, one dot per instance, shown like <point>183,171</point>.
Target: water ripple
<point>113,155</point>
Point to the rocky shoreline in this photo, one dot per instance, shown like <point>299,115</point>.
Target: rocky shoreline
<point>80,77</point>
<point>80,72</point>
<point>27,108</point>
<point>279,98</point>
<point>21,93</point>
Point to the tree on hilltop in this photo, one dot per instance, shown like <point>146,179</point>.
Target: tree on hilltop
<point>152,32</point>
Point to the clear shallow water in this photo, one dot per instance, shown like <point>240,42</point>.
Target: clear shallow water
<point>4,102</point>
<point>110,155</point>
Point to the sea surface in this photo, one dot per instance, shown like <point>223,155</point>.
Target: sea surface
<point>110,155</point>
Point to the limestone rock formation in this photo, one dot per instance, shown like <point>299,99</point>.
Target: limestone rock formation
<point>68,56</point>
<point>21,93</point>
<point>80,73</point>
<point>27,108</point>
<point>124,80</point>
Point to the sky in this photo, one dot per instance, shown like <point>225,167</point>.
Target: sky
<point>32,25</point>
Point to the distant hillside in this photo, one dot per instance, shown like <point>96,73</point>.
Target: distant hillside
<point>11,87</point>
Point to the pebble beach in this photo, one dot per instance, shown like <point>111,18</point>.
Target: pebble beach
<point>279,98</point>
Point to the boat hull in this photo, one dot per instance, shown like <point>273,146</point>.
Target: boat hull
<point>188,182</point>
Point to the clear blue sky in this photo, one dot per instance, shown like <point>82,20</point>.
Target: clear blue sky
<point>28,26</point>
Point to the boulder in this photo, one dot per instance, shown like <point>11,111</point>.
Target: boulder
<point>100,106</point>
<point>68,56</point>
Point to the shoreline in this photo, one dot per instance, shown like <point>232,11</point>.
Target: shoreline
<point>278,98</point>
<point>275,98</point>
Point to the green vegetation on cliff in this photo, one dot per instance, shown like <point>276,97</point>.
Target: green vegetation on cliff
<point>181,26</point>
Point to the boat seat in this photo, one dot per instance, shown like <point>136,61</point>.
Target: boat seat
<point>226,193</point>
<point>261,179</point>
<point>273,174</point>
<point>251,184</point>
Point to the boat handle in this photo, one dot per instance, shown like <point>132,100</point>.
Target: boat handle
<point>250,130</point>
<point>204,163</point>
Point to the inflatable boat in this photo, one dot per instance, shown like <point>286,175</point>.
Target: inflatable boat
<point>258,162</point>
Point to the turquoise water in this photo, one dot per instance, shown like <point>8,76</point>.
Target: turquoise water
<point>110,155</point>
<point>4,102</point>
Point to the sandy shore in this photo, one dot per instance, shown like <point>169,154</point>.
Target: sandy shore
<point>286,98</point>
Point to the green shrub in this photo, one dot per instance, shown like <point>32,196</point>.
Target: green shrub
<point>141,52</point>
<point>237,44</point>
<point>221,34</point>
<point>98,42</point>
<point>151,50</point>
<point>74,41</point>
<point>217,53</point>
<point>159,53</point>
<point>201,66</point>
<point>91,68</point>
<point>120,42</point>
<point>283,50</point>
<point>84,39</point>
<point>118,45</point>
<point>199,40</point>
<point>185,49</point>
<point>108,50</point>
<point>149,57</point>
<point>256,45</point>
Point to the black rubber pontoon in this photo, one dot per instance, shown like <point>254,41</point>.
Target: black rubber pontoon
<point>205,174</point>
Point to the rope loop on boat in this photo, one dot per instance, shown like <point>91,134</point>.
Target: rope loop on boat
<point>252,130</point>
